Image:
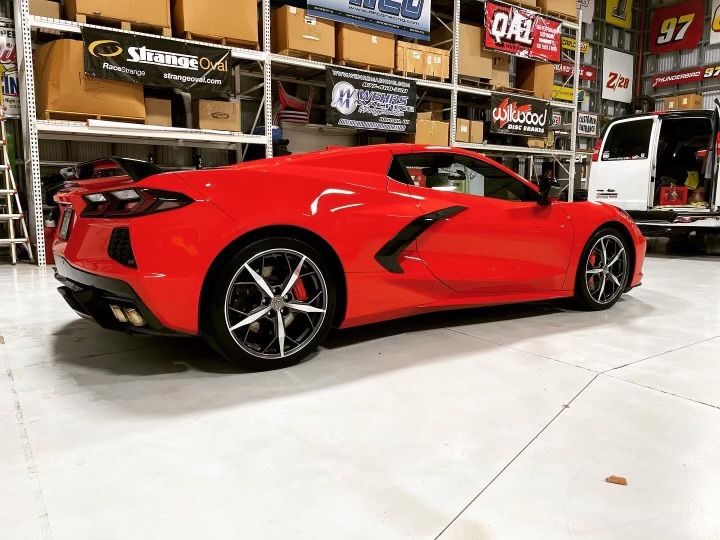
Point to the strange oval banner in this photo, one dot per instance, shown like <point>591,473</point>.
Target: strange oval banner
<point>153,61</point>
<point>519,115</point>
<point>364,100</point>
<point>522,32</point>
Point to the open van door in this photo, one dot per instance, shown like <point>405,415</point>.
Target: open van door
<point>624,173</point>
<point>714,196</point>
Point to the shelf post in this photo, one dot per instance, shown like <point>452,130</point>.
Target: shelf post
<point>267,77</point>
<point>454,73</point>
<point>574,122</point>
<point>31,150</point>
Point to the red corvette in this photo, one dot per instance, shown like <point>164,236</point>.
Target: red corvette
<point>261,259</point>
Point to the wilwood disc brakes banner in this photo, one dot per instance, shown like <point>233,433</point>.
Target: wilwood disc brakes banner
<point>156,62</point>
<point>516,115</point>
<point>370,101</point>
<point>522,32</point>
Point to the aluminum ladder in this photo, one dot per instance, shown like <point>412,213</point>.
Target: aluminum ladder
<point>13,227</point>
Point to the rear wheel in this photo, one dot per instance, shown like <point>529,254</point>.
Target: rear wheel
<point>271,305</point>
<point>604,270</point>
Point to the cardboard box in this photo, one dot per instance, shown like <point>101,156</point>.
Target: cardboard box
<point>365,46</point>
<point>477,129</point>
<point>536,142</point>
<point>437,63</point>
<point>152,12</point>
<point>536,77</point>
<point>462,130</point>
<point>158,112</point>
<point>61,86</point>
<point>684,102</point>
<point>211,114</point>
<point>501,71</point>
<point>293,30</point>
<point>45,8</point>
<point>563,7</point>
<point>432,132</point>
<point>410,57</point>
<point>231,19</point>
<point>475,61</point>
<point>431,110</point>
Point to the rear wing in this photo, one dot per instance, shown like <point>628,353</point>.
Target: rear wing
<point>135,169</point>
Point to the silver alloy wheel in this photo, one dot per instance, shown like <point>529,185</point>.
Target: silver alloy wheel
<point>606,269</point>
<point>276,303</point>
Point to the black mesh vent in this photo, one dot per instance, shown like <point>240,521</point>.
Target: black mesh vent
<point>120,248</point>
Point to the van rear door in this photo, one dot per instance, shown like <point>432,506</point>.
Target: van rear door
<point>714,195</point>
<point>624,173</point>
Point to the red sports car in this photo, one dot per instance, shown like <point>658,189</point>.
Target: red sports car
<point>262,258</point>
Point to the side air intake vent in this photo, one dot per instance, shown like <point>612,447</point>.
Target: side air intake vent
<point>120,248</point>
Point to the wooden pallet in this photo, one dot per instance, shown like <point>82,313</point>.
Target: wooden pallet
<point>422,76</point>
<point>562,16</point>
<point>307,55</point>
<point>82,117</point>
<point>509,90</point>
<point>225,41</point>
<point>475,82</point>
<point>123,25</point>
<point>367,67</point>
<point>527,4</point>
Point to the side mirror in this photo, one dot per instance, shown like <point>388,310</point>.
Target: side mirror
<point>549,191</point>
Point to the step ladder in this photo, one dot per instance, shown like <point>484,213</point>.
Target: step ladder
<point>13,227</point>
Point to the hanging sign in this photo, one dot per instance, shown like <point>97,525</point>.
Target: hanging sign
<point>619,13</point>
<point>588,124</point>
<point>156,62</point>
<point>519,115</point>
<point>715,23</point>
<point>568,44</point>
<point>565,93</point>
<point>587,73</point>
<point>677,27</point>
<point>9,73</point>
<point>617,76</point>
<point>408,18</point>
<point>521,32</point>
<point>556,120</point>
<point>366,100</point>
<point>686,76</point>
<point>588,10</point>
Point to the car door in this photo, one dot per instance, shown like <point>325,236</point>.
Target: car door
<point>494,236</point>
<point>624,174</point>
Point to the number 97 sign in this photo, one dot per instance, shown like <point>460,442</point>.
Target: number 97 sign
<point>677,27</point>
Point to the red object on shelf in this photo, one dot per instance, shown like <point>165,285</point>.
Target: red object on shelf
<point>673,195</point>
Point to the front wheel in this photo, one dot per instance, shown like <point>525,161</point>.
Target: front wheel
<point>603,271</point>
<point>271,305</point>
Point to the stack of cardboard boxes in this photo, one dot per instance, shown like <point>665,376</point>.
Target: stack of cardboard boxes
<point>295,33</point>
<point>684,102</point>
<point>412,58</point>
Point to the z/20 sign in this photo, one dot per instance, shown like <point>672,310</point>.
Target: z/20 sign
<point>617,76</point>
<point>677,27</point>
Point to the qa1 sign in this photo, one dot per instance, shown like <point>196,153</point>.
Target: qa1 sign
<point>617,76</point>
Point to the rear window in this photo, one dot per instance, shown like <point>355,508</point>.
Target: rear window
<point>628,140</point>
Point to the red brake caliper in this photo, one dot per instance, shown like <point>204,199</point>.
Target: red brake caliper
<point>592,259</point>
<point>299,291</point>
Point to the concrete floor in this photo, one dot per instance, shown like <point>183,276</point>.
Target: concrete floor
<point>496,423</point>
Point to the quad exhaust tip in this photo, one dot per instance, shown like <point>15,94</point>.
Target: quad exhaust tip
<point>127,314</point>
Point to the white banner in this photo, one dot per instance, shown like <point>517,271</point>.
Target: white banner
<point>9,72</point>
<point>618,71</point>
<point>588,9</point>
<point>715,23</point>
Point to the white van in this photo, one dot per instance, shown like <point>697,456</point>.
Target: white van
<point>662,169</point>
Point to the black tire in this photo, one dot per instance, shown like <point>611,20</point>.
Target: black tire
<point>235,289</point>
<point>590,291</point>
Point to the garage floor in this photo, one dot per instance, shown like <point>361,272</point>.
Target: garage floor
<point>496,423</point>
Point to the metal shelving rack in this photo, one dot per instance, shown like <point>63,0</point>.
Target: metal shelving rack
<point>34,129</point>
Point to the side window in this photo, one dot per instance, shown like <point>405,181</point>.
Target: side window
<point>628,140</point>
<point>460,174</point>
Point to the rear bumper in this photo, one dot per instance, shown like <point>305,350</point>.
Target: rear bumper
<point>91,296</point>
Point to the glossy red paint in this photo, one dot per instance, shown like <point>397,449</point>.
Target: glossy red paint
<point>494,252</point>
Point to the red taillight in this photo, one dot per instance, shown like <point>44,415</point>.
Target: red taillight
<point>717,144</point>
<point>132,202</point>
<point>596,150</point>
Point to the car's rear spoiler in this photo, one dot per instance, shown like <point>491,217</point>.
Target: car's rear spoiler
<point>135,169</point>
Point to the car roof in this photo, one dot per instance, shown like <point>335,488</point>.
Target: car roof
<point>667,114</point>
